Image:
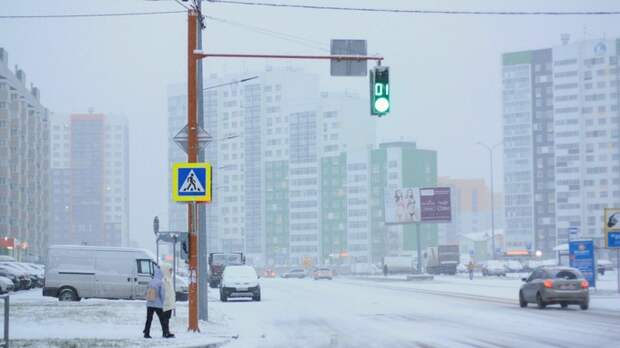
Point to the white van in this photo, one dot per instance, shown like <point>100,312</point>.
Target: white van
<point>73,272</point>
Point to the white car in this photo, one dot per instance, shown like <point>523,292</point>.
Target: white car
<point>239,281</point>
<point>493,268</point>
<point>6,285</point>
<point>514,266</point>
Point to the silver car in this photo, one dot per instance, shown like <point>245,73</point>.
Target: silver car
<point>555,285</point>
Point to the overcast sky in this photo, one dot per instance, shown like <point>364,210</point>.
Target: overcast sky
<point>445,70</point>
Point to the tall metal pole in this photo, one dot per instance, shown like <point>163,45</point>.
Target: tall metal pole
<point>490,149</point>
<point>419,243</point>
<point>492,206</point>
<point>174,269</point>
<point>157,248</point>
<point>192,156</point>
<point>203,287</point>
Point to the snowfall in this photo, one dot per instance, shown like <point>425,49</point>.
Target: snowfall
<point>449,311</point>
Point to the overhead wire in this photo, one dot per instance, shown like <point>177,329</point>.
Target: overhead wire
<point>88,15</point>
<point>182,4</point>
<point>283,36</point>
<point>418,11</point>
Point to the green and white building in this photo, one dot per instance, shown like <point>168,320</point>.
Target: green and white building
<point>353,193</point>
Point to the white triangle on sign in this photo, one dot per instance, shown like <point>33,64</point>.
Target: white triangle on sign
<point>191,184</point>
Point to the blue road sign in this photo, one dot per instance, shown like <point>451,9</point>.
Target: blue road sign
<point>191,182</point>
<point>613,239</point>
<point>581,255</point>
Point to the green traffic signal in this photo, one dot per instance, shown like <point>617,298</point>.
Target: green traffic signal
<point>380,91</point>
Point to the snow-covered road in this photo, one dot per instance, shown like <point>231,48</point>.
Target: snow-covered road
<point>342,313</point>
<point>355,313</point>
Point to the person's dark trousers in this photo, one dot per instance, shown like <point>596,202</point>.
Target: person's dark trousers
<point>149,318</point>
<point>168,315</point>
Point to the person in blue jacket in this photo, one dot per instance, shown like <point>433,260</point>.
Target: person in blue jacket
<point>154,304</point>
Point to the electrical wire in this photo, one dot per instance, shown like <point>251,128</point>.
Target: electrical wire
<point>88,15</point>
<point>414,11</point>
<point>182,4</point>
<point>283,36</point>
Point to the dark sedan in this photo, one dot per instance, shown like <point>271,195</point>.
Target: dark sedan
<point>555,285</point>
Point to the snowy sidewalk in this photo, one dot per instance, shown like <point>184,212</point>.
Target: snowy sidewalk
<point>37,321</point>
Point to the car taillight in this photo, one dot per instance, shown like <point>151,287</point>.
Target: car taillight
<point>548,283</point>
<point>585,284</point>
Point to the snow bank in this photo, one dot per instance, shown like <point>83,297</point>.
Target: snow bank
<point>37,321</point>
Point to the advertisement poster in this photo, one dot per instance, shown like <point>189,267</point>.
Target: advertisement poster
<point>435,204</point>
<point>402,205</point>
<point>411,204</point>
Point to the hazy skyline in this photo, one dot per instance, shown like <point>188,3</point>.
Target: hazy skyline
<point>445,70</point>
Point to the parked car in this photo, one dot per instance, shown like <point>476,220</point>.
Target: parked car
<point>295,273</point>
<point>182,288</point>
<point>493,268</point>
<point>12,277</point>
<point>555,285</point>
<point>6,285</point>
<point>514,266</point>
<point>239,281</point>
<point>604,265</point>
<point>73,272</point>
<point>35,275</point>
<point>322,273</point>
<point>24,280</point>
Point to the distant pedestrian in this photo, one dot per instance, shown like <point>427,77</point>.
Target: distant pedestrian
<point>385,270</point>
<point>155,303</point>
<point>169,297</point>
<point>470,269</point>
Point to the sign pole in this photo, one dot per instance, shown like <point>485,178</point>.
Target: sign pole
<point>174,269</point>
<point>192,156</point>
<point>618,267</point>
<point>417,227</point>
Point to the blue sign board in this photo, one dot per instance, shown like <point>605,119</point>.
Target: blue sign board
<point>191,182</point>
<point>581,254</point>
<point>613,239</point>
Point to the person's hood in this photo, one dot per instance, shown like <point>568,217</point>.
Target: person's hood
<point>157,275</point>
<point>166,270</point>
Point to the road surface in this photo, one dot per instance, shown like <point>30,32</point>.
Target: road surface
<point>354,313</point>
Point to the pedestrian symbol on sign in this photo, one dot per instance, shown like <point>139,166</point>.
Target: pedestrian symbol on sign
<point>191,184</point>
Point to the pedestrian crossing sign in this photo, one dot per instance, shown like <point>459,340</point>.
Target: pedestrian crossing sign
<point>191,182</point>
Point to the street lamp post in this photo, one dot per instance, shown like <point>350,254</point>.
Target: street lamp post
<point>490,149</point>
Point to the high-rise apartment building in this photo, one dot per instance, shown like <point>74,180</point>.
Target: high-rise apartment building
<point>587,135</point>
<point>269,136</point>
<point>560,142</point>
<point>90,176</point>
<point>24,163</point>
<point>366,174</point>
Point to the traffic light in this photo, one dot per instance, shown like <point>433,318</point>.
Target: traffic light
<point>380,91</point>
<point>156,225</point>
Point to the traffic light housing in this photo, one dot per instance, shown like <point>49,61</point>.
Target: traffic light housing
<point>380,91</point>
<point>156,225</point>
